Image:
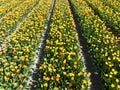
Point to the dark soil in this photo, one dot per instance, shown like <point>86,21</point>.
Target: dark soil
<point>95,78</point>
<point>35,73</point>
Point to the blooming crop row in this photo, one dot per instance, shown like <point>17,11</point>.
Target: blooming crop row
<point>111,17</point>
<point>3,2</point>
<point>10,20</point>
<point>62,67</point>
<point>104,49</point>
<point>18,54</point>
<point>7,5</point>
<point>113,4</point>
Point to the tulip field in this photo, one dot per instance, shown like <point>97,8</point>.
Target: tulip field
<point>40,48</point>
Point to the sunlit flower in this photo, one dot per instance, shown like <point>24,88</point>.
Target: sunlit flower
<point>84,81</point>
<point>45,84</point>
<point>0,53</point>
<point>50,69</point>
<point>112,85</point>
<point>6,78</point>
<point>15,84</point>
<point>88,74</point>
<point>21,86</point>
<point>89,83</point>
<point>56,88</point>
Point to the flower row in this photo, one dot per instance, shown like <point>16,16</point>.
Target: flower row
<point>7,4</point>
<point>12,18</point>
<point>113,4</point>
<point>104,49</point>
<point>18,53</point>
<point>3,2</point>
<point>63,64</point>
<point>111,17</point>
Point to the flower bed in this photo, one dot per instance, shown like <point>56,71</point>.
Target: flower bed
<point>107,14</point>
<point>115,5</point>
<point>7,4</point>
<point>3,2</point>
<point>11,19</point>
<point>104,49</point>
<point>63,64</point>
<point>18,54</point>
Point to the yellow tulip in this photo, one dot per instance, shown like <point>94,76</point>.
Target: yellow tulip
<point>15,84</point>
<point>89,83</point>
<point>83,86</point>
<point>50,69</point>
<point>56,88</point>
<point>117,80</point>
<point>1,69</point>
<point>112,85</point>
<point>0,53</point>
<point>6,78</point>
<point>21,86</point>
<point>45,85</point>
<point>84,82</point>
<point>88,74</point>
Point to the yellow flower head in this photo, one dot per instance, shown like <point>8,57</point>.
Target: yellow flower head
<point>6,78</point>
<point>83,86</point>
<point>1,69</point>
<point>15,57</point>
<point>118,86</point>
<point>56,88</point>
<point>117,80</point>
<point>64,73</point>
<point>15,84</point>
<point>89,83</point>
<point>58,75</point>
<point>8,73</point>
<point>54,70</point>
<point>80,73</point>
<point>50,69</point>
<point>22,58</point>
<point>75,66</point>
<point>72,78</point>
<point>112,85</point>
<point>21,86</point>
<point>84,81</point>
<point>25,66</point>
<point>75,62</point>
<point>2,89</point>
<point>63,68</point>
<point>49,65</point>
<point>46,78</point>
<point>45,85</point>
<point>88,74</point>
<point>0,53</point>
<point>71,74</point>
